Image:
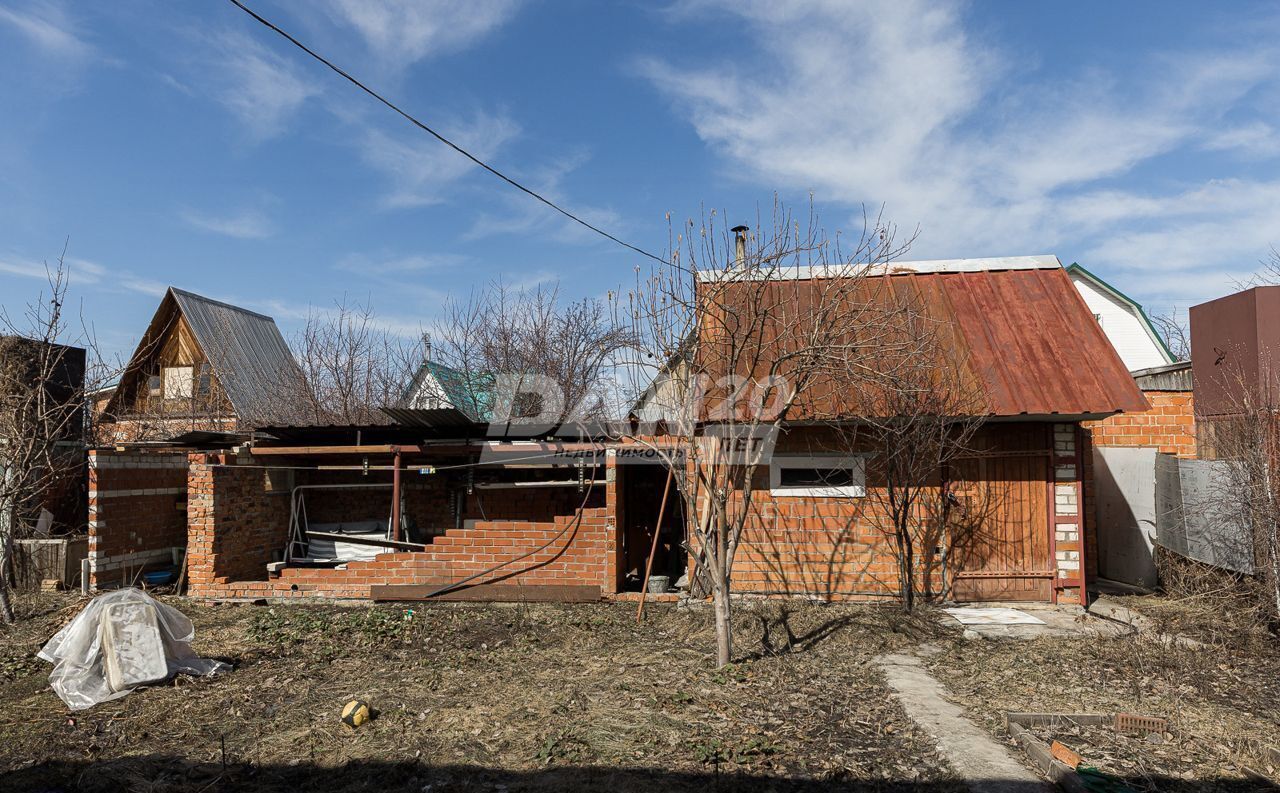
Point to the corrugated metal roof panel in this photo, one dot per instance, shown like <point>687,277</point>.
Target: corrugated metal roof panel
<point>1032,341</point>
<point>1025,335</point>
<point>250,358</point>
<point>431,418</point>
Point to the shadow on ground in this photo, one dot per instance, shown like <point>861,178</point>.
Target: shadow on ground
<point>159,774</point>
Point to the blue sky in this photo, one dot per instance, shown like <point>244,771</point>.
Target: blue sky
<point>182,143</point>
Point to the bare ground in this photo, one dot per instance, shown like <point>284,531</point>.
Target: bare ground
<point>485,698</point>
<point>1222,699</point>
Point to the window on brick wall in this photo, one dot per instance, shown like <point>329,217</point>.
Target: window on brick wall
<point>823,477</point>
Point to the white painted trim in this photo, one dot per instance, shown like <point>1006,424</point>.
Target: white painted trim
<point>856,463</point>
<point>804,273</point>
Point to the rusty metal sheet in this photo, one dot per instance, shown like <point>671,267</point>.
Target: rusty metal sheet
<point>1025,335</point>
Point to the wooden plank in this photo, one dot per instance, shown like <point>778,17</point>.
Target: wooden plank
<point>259,451</point>
<point>493,593</point>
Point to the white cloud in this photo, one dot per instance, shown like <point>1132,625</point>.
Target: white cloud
<point>401,32</point>
<point>245,224</point>
<point>47,26</point>
<point>895,102</point>
<point>79,271</point>
<point>421,169</point>
<point>262,89</point>
<point>525,216</point>
<point>1254,139</point>
<point>398,264</point>
<point>82,274</point>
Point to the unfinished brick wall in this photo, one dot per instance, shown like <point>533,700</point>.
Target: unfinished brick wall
<point>1072,552</point>
<point>1170,425</point>
<point>237,527</point>
<point>135,513</point>
<point>578,554</point>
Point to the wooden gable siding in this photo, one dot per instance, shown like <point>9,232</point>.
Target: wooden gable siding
<point>175,346</point>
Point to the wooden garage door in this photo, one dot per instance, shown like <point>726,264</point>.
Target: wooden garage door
<point>1001,534</point>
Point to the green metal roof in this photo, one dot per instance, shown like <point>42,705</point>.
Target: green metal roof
<point>473,396</point>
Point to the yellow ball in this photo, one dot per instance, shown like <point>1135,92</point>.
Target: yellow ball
<point>355,713</point>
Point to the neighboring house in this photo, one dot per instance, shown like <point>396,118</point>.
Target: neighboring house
<point>436,386</point>
<point>1123,320</point>
<point>202,365</point>
<point>23,363</point>
<point>1236,345</point>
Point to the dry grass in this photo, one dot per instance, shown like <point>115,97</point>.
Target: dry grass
<point>473,697</point>
<point>1220,698</point>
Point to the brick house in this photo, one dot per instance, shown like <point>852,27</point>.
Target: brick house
<point>432,505</point>
<point>1022,333</point>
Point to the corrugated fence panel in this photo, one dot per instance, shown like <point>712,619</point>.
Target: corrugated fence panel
<point>1191,519</point>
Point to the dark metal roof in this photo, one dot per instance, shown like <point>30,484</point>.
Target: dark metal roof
<point>250,358</point>
<point>432,418</point>
<point>202,439</point>
<point>341,434</point>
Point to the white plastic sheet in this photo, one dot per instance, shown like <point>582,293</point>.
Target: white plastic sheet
<point>78,651</point>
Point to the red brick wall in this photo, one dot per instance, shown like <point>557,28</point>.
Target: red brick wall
<point>837,548</point>
<point>134,514</point>
<point>1170,425</point>
<point>236,527</point>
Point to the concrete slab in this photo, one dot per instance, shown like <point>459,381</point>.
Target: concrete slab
<point>1056,621</point>
<point>985,765</point>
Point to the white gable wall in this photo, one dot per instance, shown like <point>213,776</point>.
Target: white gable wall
<point>1123,326</point>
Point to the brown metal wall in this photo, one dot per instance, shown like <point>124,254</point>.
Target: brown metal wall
<point>1235,345</point>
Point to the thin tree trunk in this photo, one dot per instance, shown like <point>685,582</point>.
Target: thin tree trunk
<point>724,624</point>
<point>6,555</point>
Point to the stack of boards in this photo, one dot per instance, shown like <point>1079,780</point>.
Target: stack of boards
<point>133,650</point>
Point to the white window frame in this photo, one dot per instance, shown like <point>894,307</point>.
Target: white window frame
<point>856,463</point>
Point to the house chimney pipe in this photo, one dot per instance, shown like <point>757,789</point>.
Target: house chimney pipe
<point>426,348</point>
<point>740,245</point>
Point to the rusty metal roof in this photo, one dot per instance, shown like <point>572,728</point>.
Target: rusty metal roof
<point>1032,341</point>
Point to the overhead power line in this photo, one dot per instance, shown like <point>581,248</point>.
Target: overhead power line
<point>440,137</point>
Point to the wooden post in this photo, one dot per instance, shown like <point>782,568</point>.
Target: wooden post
<point>653,549</point>
<point>395,497</point>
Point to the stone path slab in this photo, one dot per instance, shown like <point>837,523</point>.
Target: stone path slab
<point>985,765</point>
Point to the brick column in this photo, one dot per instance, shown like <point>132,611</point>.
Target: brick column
<point>1067,514</point>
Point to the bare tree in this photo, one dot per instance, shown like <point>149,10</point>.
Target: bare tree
<point>42,418</point>
<point>740,334</point>
<point>916,427</point>
<point>530,342</point>
<point>1175,332</point>
<point>1245,496</point>
<point>350,367</point>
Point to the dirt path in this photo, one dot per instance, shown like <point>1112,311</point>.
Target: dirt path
<point>985,766</point>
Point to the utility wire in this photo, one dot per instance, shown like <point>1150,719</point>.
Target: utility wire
<point>440,137</point>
